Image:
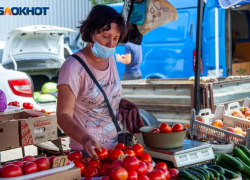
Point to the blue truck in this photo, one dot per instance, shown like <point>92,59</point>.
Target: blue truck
<point>169,50</point>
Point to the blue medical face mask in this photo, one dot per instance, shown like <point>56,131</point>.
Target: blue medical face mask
<point>101,51</point>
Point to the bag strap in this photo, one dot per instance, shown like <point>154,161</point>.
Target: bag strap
<point>104,94</point>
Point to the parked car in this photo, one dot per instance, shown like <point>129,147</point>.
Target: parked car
<point>39,51</point>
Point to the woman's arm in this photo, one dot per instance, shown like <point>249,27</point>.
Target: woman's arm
<point>65,108</point>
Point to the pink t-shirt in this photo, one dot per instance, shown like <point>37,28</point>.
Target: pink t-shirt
<point>90,109</point>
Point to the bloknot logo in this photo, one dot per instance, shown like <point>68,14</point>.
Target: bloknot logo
<point>17,11</point>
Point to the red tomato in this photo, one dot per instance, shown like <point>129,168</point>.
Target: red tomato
<point>178,127</point>
<point>14,103</point>
<point>105,178</point>
<point>142,169</point>
<point>88,178</point>
<point>120,146</point>
<point>79,165</point>
<point>145,157</point>
<point>130,163</point>
<point>18,163</point>
<point>1,170</point>
<point>29,158</point>
<point>115,164</point>
<point>165,128</point>
<point>114,154</point>
<point>68,161</point>
<point>129,153</point>
<point>90,172</point>
<point>86,159</point>
<point>155,130</point>
<point>25,162</point>
<point>173,173</point>
<point>143,177</point>
<point>166,173</point>
<point>119,173</point>
<point>102,170</point>
<point>132,175</point>
<point>27,105</point>
<point>102,155</point>
<point>42,163</point>
<point>94,163</point>
<point>110,150</point>
<point>12,170</point>
<point>127,148</point>
<point>156,175</point>
<point>29,168</point>
<point>150,167</point>
<point>138,149</point>
<point>161,164</point>
<point>76,155</point>
<point>51,158</point>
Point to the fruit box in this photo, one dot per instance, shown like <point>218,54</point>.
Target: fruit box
<point>32,130</point>
<point>9,134</point>
<point>210,132</point>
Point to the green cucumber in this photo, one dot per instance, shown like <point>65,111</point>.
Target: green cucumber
<point>245,150</point>
<point>246,170</point>
<point>216,173</point>
<point>236,164</point>
<point>228,167</point>
<point>211,174</point>
<point>201,171</point>
<point>230,174</point>
<point>187,175</point>
<point>196,174</point>
<point>218,168</point>
<point>239,153</point>
<point>222,177</point>
<point>244,176</point>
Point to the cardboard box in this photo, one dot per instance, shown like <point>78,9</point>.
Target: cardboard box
<point>9,134</point>
<point>71,174</point>
<point>31,130</point>
<point>242,68</point>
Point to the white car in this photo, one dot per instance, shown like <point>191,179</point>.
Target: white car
<point>39,51</point>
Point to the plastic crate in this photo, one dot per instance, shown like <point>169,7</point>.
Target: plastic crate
<point>208,132</point>
<point>232,121</point>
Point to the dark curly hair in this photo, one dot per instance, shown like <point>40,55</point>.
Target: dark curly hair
<point>100,19</point>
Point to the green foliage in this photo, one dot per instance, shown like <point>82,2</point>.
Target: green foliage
<point>95,2</point>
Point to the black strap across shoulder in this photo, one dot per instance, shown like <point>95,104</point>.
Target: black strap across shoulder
<point>104,94</point>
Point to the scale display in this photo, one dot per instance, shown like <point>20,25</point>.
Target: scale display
<point>190,153</point>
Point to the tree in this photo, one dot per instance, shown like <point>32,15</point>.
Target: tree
<point>95,2</point>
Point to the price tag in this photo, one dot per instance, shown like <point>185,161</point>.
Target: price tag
<point>121,157</point>
<point>60,161</point>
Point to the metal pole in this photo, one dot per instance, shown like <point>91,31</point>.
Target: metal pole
<point>198,56</point>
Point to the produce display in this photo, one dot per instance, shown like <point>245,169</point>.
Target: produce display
<point>47,93</point>
<point>122,163</point>
<point>28,165</point>
<point>219,124</point>
<point>165,128</point>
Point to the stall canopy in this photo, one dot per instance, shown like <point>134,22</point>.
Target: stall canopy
<point>229,3</point>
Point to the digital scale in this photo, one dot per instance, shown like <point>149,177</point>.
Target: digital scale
<point>191,152</point>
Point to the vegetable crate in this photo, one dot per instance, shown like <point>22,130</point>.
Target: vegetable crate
<point>207,131</point>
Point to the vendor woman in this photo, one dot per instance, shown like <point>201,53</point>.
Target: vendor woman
<point>81,109</point>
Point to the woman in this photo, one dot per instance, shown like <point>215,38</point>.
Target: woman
<point>81,109</point>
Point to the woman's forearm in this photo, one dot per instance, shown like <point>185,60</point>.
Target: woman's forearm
<point>71,127</point>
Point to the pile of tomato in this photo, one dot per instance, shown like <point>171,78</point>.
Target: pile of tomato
<point>136,165</point>
<point>165,128</point>
<point>28,165</point>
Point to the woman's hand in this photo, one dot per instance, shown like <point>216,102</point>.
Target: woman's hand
<point>89,144</point>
